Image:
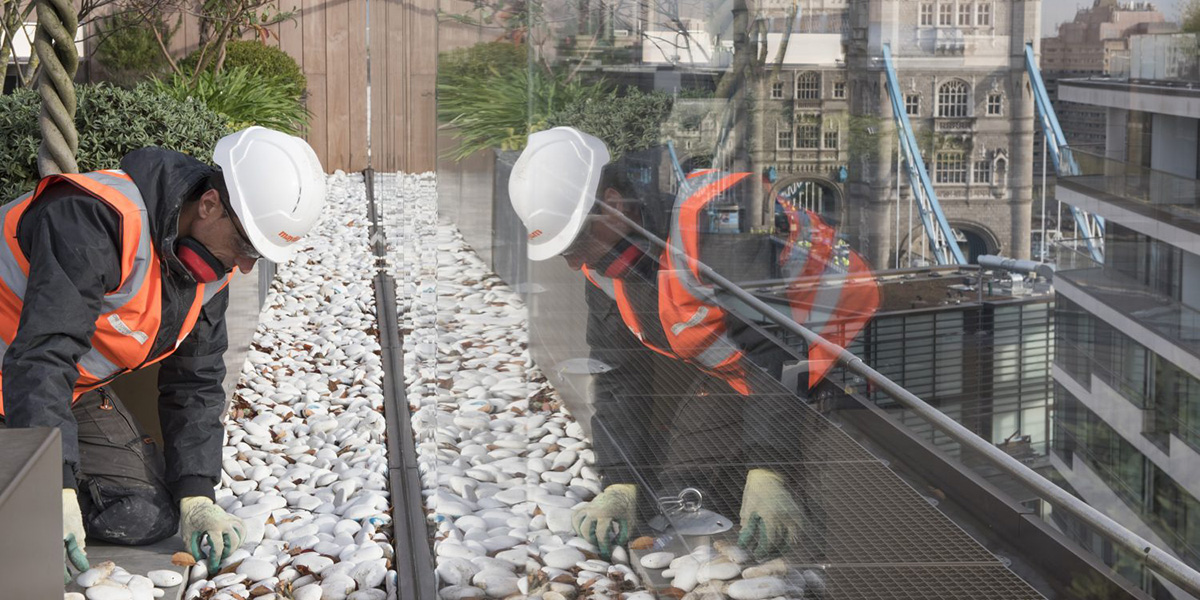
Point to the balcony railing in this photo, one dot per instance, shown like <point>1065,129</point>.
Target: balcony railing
<point>1155,311</point>
<point>1146,191</point>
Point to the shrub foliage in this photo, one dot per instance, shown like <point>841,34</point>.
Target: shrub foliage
<point>112,122</point>
<point>244,96</point>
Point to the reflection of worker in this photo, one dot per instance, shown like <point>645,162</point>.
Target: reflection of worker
<point>662,300</point>
<point>106,272</point>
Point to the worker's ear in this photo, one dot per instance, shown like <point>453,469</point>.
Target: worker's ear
<point>210,204</point>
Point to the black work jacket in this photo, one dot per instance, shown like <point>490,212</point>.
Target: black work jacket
<point>72,241</point>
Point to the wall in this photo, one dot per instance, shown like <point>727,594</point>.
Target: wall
<point>328,39</point>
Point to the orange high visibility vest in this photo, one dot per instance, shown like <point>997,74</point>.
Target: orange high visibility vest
<point>691,319</point>
<point>831,290</point>
<point>130,316</point>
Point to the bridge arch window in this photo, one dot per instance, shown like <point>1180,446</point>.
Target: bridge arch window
<point>953,98</point>
<point>808,86</point>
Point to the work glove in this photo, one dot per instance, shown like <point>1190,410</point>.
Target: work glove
<point>616,504</point>
<point>771,519</point>
<point>73,535</point>
<point>201,519</point>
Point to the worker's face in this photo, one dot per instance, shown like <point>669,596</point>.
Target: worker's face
<point>217,227</point>
<point>600,233</point>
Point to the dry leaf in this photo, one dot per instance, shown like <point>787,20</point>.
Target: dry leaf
<point>643,543</point>
<point>182,559</point>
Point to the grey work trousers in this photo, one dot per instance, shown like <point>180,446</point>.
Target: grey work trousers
<point>121,477</point>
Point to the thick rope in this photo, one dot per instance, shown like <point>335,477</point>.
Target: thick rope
<point>54,43</point>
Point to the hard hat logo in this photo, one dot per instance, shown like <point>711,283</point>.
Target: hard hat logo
<point>536,233</point>
<point>289,238</point>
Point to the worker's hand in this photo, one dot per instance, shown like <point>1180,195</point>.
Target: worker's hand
<point>201,519</point>
<point>73,535</point>
<point>771,519</point>
<point>616,504</point>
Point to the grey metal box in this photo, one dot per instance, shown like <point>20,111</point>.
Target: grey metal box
<point>31,559</point>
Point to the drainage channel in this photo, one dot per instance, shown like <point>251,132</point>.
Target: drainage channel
<point>413,559</point>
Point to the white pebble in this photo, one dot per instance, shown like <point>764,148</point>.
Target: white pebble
<point>657,560</point>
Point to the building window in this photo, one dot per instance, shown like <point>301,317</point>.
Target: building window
<point>783,140</point>
<point>808,137</point>
<point>983,14</point>
<point>964,14</point>
<point>808,86</point>
<point>952,99</point>
<point>995,105</point>
<point>912,105</point>
<point>951,167</point>
<point>945,14</point>
<point>926,14</point>
<point>832,137</point>
<point>983,171</point>
<point>839,90</point>
<point>777,90</point>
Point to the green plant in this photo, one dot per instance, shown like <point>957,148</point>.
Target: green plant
<point>501,111</point>
<point>244,96</point>
<point>627,122</point>
<point>129,52</point>
<point>1189,16</point>
<point>112,122</point>
<point>481,61</point>
<point>269,60</point>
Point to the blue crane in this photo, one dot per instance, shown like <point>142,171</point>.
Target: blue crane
<point>937,228</point>
<point>1090,227</point>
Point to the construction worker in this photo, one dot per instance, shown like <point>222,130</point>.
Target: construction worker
<point>106,272</point>
<point>558,188</point>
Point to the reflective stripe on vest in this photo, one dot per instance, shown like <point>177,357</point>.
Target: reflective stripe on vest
<point>615,289</point>
<point>833,302</point>
<point>131,315</point>
<point>691,314</point>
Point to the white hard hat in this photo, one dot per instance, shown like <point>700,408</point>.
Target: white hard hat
<point>553,187</point>
<point>276,187</point>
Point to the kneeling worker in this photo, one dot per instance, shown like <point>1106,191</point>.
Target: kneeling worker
<point>106,272</point>
<point>557,188</point>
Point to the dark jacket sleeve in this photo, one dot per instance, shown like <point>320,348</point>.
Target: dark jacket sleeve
<point>191,402</point>
<point>72,245</point>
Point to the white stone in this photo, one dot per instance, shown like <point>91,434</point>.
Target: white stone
<point>315,563</point>
<point>255,569</point>
<point>311,591</point>
<point>95,574</point>
<point>368,595</point>
<point>759,588</point>
<point>563,558</point>
<point>228,579</point>
<point>108,592</point>
<point>369,574</point>
<point>657,560</point>
<point>337,587</point>
<point>460,592</point>
<point>496,583</point>
<point>719,570</point>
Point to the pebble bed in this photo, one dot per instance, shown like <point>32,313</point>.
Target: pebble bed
<point>503,463</point>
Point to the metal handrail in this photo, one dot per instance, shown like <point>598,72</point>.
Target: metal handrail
<point>1160,560</point>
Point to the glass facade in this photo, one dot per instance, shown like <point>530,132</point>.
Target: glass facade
<point>647,174</point>
<point>1149,491</point>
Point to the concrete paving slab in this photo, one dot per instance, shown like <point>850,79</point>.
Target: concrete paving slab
<point>140,560</point>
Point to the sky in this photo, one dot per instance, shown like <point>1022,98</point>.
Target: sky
<point>1058,11</point>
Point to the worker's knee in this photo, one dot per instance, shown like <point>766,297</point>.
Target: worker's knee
<point>130,516</point>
